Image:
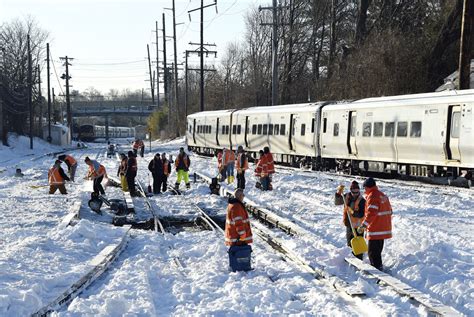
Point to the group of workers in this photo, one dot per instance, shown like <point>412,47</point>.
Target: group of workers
<point>57,178</point>
<point>371,216</point>
<point>227,161</point>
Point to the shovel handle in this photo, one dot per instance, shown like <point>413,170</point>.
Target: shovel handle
<point>348,214</point>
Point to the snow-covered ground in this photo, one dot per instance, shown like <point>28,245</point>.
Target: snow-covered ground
<point>432,249</point>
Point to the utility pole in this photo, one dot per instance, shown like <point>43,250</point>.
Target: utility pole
<point>68,101</point>
<point>466,45</point>
<point>274,25</point>
<point>49,93</point>
<point>201,87</point>
<point>198,52</point>
<point>157,67</point>
<point>40,123</point>
<point>30,84</point>
<point>165,68</point>
<point>175,71</point>
<point>151,79</point>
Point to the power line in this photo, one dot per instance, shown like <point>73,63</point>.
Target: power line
<point>56,73</point>
<point>112,64</point>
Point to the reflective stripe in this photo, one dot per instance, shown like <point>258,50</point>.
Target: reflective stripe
<point>374,206</point>
<point>241,232</point>
<point>384,213</point>
<point>378,233</point>
<point>248,238</point>
<point>231,240</point>
<point>231,222</point>
<point>237,218</point>
<point>246,221</point>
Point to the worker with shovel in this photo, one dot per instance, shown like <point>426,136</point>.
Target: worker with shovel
<point>57,178</point>
<point>354,206</point>
<point>377,221</point>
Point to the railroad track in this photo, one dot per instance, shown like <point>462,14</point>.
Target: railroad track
<point>271,219</point>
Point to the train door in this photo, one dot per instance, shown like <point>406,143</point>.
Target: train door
<point>217,132</point>
<point>194,131</point>
<point>452,135</point>
<point>351,133</point>
<point>293,131</point>
<point>246,131</point>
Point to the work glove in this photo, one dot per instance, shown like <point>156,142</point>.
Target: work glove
<point>340,189</point>
<point>361,230</point>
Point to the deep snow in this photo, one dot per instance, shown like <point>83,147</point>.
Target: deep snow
<point>432,249</point>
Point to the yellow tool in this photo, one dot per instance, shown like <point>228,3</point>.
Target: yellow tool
<point>358,243</point>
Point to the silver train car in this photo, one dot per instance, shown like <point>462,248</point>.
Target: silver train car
<point>420,135</point>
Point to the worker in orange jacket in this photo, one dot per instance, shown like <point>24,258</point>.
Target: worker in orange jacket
<point>228,160</point>
<point>71,164</point>
<point>263,168</point>
<point>238,234</point>
<point>355,205</point>
<point>258,171</point>
<point>241,164</point>
<point>57,178</point>
<point>377,221</point>
<point>270,166</point>
<point>220,166</point>
<point>96,173</point>
<point>138,145</point>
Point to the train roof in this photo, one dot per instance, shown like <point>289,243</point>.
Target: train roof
<point>283,108</point>
<point>211,113</point>
<point>452,96</point>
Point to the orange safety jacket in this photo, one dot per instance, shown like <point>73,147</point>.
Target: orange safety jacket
<point>228,156</point>
<point>238,164</point>
<point>219,161</point>
<point>237,224</point>
<point>138,144</point>
<point>356,222</point>
<point>185,160</point>
<point>54,177</point>
<point>97,173</point>
<point>378,215</point>
<point>70,161</point>
<point>262,167</point>
<point>270,163</point>
<point>166,167</point>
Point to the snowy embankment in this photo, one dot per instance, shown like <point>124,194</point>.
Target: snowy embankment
<point>431,250</point>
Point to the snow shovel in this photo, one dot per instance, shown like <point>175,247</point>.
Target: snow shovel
<point>358,243</point>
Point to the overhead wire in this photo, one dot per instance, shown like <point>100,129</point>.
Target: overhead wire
<point>56,73</point>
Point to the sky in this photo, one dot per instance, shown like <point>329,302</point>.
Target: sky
<point>108,38</point>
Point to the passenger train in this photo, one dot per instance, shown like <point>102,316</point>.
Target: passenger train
<point>425,135</point>
<point>89,132</point>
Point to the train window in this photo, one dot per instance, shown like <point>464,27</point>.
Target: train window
<point>234,129</point>
<point>325,125</point>
<point>210,128</point>
<point>282,129</point>
<point>277,129</point>
<point>378,128</point>
<point>254,129</point>
<point>402,128</point>
<point>270,129</point>
<point>265,129</point>
<point>415,129</point>
<point>259,129</point>
<point>239,129</point>
<point>303,129</point>
<point>366,128</point>
<point>227,128</point>
<point>389,129</point>
<point>336,129</point>
<point>455,124</point>
<point>199,129</point>
<point>312,125</point>
<point>223,129</point>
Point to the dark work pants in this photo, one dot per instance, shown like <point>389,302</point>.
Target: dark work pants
<point>131,183</point>
<point>241,180</point>
<point>375,253</point>
<point>98,186</point>
<point>142,151</point>
<point>265,181</point>
<point>157,180</point>
<point>164,181</point>
<point>349,237</point>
